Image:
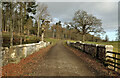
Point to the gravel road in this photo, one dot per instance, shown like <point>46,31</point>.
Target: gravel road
<point>60,61</point>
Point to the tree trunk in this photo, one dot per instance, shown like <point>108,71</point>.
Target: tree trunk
<point>69,34</point>
<point>11,38</point>
<point>3,20</point>
<point>5,28</point>
<point>28,33</point>
<point>4,23</point>
<point>53,34</point>
<point>38,29</point>
<point>21,32</point>
<point>21,40</point>
<point>42,36</point>
<point>83,37</point>
<point>83,33</point>
<point>21,23</point>
<point>92,38</point>
<point>11,27</point>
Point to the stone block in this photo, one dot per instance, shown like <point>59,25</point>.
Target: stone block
<point>15,53</point>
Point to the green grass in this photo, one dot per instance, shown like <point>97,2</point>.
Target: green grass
<point>72,40</point>
<point>113,43</point>
<point>29,39</point>
<point>51,40</point>
<point>16,39</point>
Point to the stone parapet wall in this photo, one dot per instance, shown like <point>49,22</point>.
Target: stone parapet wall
<point>15,53</point>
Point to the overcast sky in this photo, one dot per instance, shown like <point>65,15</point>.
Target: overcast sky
<point>107,11</point>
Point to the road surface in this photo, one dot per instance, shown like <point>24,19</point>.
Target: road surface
<point>60,61</point>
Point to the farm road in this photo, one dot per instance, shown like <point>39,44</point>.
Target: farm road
<point>60,61</point>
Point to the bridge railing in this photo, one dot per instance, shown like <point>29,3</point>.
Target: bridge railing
<point>102,52</point>
<point>113,64</point>
<point>15,53</point>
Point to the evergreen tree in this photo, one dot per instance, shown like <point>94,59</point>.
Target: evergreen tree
<point>106,38</point>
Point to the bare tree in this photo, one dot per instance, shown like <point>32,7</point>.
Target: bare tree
<point>86,23</point>
<point>12,16</point>
<point>41,15</point>
<point>21,21</point>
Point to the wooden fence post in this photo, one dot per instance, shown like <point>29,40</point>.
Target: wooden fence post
<point>115,63</point>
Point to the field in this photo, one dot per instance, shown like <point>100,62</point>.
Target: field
<point>115,44</point>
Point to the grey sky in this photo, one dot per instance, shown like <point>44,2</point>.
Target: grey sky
<point>106,11</point>
<point>77,0</point>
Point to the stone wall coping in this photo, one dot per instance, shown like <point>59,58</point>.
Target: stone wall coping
<point>99,45</point>
<point>108,46</point>
<point>23,45</point>
<point>87,44</point>
<point>3,48</point>
<point>21,51</point>
<point>95,45</point>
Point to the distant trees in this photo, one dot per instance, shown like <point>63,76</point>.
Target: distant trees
<point>63,31</point>
<point>53,29</point>
<point>86,23</point>
<point>68,30</point>
<point>59,30</point>
<point>28,26</point>
<point>106,38</point>
<point>44,26</point>
<point>47,30</point>
<point>119,33</point>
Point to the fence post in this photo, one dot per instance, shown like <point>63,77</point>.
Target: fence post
<point>115,63</point>
<point>109,48</point>
<point>97,55</point>
<point>83,47</point>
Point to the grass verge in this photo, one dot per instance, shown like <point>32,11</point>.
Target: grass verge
<point>115,44</point>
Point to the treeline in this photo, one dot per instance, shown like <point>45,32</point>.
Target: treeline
<point>66,31</point>
<point>119,33</point>
<point>24,21</point>
<point>80,28</point>
<point>21,20</point>
<point>17,18</point>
